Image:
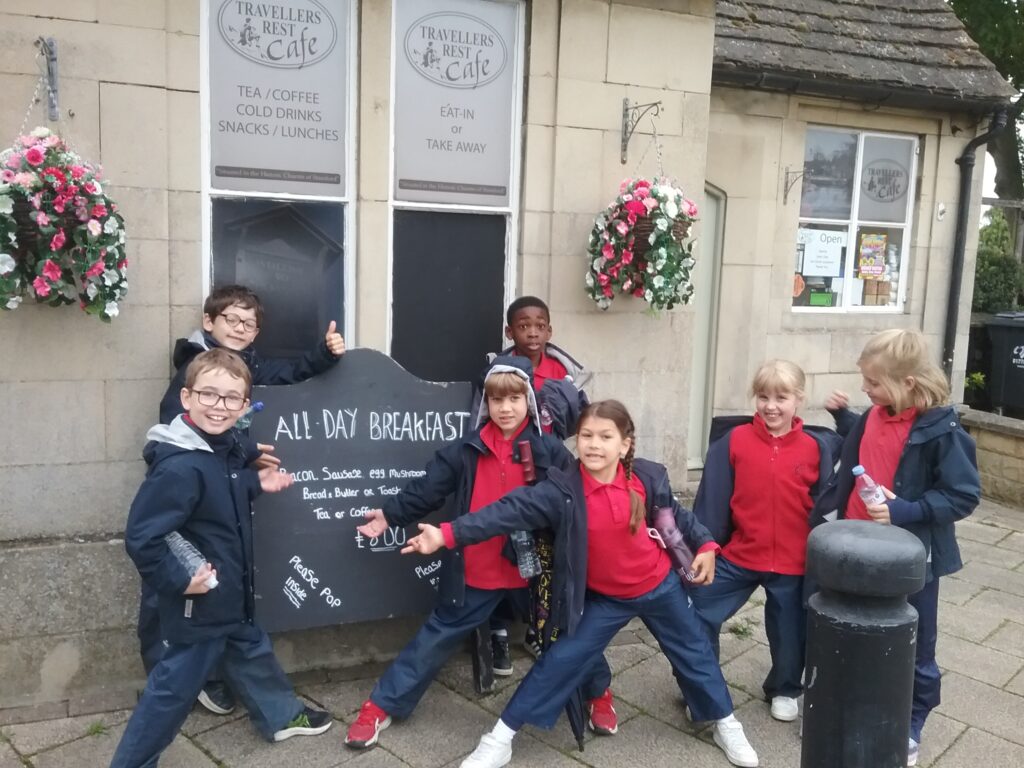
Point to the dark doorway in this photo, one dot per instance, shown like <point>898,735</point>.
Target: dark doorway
<point>448,292</point>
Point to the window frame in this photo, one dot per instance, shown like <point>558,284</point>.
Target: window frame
<point>853,224</point>
<point>347,200</point>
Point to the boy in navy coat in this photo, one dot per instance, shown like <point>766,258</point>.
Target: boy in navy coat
<point>199,486</point>
<point>232,317</point>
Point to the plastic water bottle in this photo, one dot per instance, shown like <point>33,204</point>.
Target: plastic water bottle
<point>868,490</point>
<point>526,553</point>
<point>188,556</point>
<point>671,540</point>
<point>245,420</point>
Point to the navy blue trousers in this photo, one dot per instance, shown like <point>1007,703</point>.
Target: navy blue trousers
<point>151,643</point>
<point>785,618</point>
<point>402,686</point>
<point>171,689</point>
<point>668,613</point>
<point>927,678</point>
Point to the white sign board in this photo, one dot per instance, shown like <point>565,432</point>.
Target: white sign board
<point>455,78</point>
<point>279,95</point>
<point>823,252</point>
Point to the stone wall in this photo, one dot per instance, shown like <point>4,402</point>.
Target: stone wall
<point>1000,441</point>
<point>76,396</point>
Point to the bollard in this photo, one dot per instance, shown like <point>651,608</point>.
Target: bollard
<point>861,641</point>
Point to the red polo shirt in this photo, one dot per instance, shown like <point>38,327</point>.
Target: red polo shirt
<point>881,446</point>
<point>496,475</point>
<point>771,498</point>
<point>619,563</point>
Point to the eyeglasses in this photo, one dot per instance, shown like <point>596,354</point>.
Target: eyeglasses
<point>234,321</point>
<point>211,399</point>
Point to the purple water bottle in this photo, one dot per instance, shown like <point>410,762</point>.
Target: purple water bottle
<point>669,537</point>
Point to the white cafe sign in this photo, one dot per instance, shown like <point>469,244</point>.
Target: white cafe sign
<point>278,95</point>
<point>454,99</point>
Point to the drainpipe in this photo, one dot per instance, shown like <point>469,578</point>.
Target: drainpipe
<point>1000,119</point>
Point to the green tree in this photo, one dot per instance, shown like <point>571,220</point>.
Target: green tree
<point>998,28</point>
<point>997,274</point>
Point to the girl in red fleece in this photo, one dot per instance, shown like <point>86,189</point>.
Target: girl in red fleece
<point>755,497</point>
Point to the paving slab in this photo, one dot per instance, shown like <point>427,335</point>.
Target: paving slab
<point>999,604</point>
<point>1009,638</point>
<point>968,621</point>
<point>983,706</point>
<point>96,751</point>
<point>8,757</point>
<point>976,748</point>
<point>972,529</point>
<point>1016,685</point>
<point>29,738</point>
<point>992,576</point>
<point>957,591</point>
<point>1014,542</point>
<point>238,745</point>
<point>201,719</point>
<point>648,742</point>
<point>940,732</point>
<point>975,552</point>
<point>976,661</point>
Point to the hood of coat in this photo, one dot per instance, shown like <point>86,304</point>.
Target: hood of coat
<point>165,440</point>
<point>519,366</point>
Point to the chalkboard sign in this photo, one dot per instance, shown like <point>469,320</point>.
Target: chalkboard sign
<point>351,437</point>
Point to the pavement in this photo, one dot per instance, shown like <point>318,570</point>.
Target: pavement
<point>980,649</point>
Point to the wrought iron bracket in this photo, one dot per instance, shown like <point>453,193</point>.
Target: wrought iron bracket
<point>631,115</point>
<point>792,177</point>
<point>48,47</point>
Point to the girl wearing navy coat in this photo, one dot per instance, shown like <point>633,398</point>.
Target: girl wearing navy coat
<point>477,471</point>
<point>755,497</point>
<point>911,443</point>
<point>608,570</point>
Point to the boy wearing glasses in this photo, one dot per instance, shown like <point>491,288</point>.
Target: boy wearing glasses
<point>232,316</point>
<point>198,484</point>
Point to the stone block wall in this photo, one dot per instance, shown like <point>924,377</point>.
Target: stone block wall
<point>1000,442</point>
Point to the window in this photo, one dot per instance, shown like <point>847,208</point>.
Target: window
<point>855,208</point>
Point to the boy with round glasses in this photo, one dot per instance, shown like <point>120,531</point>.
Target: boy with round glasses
<point>232,317</point>
<point>199,485</point>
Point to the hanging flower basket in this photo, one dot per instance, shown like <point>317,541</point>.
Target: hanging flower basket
<point>61,238</point>
<point>638,246</point>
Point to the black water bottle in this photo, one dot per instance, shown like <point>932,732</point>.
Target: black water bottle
<point>522,541</point>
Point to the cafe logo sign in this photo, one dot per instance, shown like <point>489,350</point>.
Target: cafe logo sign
<point>456,50</point>
<point>286,36</point>
<point>1018,356</point>
<point>884,181</point>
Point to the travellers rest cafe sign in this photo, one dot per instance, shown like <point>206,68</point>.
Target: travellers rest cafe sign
<point>456,50</point>
<point>288,36</point>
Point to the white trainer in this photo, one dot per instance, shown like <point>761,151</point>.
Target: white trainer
<point>785,708</point>
<point>728,735</point>
<point>913,753</point>
<point>489,753</point>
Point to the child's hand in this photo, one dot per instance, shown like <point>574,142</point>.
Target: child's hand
<point>266,459</point>
<point>374,523</point>
<point>837,401</point>
<point>334,340</point>
<point>880,512</point>
<point>427,543</point>
<point>704,568</point>
<point>198,584</point>
<point>273,480</point>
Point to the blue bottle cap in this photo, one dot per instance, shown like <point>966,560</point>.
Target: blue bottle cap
<point>857,471</point>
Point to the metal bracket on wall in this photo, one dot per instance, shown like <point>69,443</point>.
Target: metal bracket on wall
<point>48,48</point>
<point>792,177</point>
<point>631,115</point>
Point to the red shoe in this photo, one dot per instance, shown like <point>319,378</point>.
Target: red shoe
<point>363,733</point>
<point>603,720</point>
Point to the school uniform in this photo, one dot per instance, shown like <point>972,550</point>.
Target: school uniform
<point>603,577</point>
<point>269,371</point>
<point>934,474</point>
<point>474,580</point>
<point>756,494</point>
<point>197,485</point>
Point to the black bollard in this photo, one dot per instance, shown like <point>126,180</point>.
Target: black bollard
<point>861,641</point>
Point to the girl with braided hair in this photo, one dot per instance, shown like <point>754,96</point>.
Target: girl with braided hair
<point>608,570</point>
